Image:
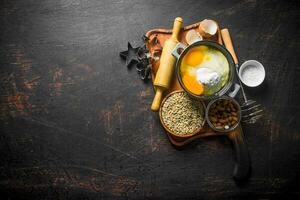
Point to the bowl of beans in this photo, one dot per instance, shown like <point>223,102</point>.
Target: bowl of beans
<point>181,115</point>
<point>223,114</point>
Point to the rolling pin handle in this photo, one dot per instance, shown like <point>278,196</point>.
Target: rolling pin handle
<point>178,47</point>
<point>176,28</point>
<point>157,100</point>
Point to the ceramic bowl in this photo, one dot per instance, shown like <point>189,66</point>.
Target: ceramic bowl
<point>252,73</point>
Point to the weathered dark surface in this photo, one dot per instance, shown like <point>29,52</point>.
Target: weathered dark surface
<point>75,123</point>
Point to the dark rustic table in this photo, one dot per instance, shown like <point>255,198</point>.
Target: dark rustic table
<point>75,122</point>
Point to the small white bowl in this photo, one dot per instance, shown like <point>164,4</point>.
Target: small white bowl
<point>252,73</point>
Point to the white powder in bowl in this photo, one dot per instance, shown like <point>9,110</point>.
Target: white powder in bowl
<point>207,77</point>
<point>252,73</point>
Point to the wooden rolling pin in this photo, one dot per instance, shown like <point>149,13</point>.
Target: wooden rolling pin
<point>166,67</point>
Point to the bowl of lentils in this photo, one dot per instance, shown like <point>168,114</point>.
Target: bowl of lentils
<point>181,115</point>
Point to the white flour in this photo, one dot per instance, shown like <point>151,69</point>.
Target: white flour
<point>207,77</point>
<point>252,75</point>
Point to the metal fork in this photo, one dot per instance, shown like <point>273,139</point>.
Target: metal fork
<point>251,111</point>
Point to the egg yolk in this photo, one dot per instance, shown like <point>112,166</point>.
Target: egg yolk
<point>192,84</point>
<point>194,57</point>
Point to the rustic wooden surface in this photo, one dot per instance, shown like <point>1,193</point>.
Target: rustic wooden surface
<point>76,124</point>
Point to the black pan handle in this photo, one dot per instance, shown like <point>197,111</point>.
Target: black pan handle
<point>243,164</point>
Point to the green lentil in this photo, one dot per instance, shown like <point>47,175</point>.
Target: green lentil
<point>181,114</point>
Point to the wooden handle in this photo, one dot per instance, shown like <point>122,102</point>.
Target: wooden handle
<point>157,99</point>
<point>228,43</point>
<point>243,164</point>
<point>176,28</point>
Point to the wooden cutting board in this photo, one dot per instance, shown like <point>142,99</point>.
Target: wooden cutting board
<point>154,43</point>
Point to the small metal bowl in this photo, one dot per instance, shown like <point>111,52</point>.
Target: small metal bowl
<point>183,136</point>
<point>238,112</point>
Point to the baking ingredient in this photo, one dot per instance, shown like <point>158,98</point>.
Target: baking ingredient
<point>252,75</point>
<point>194,86</point>
<point>217,62</point>
<point>204,70</point>
<point>194,57</point>
<point>207,76</point>
<point>181,114</point>
<point>223,114</point>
